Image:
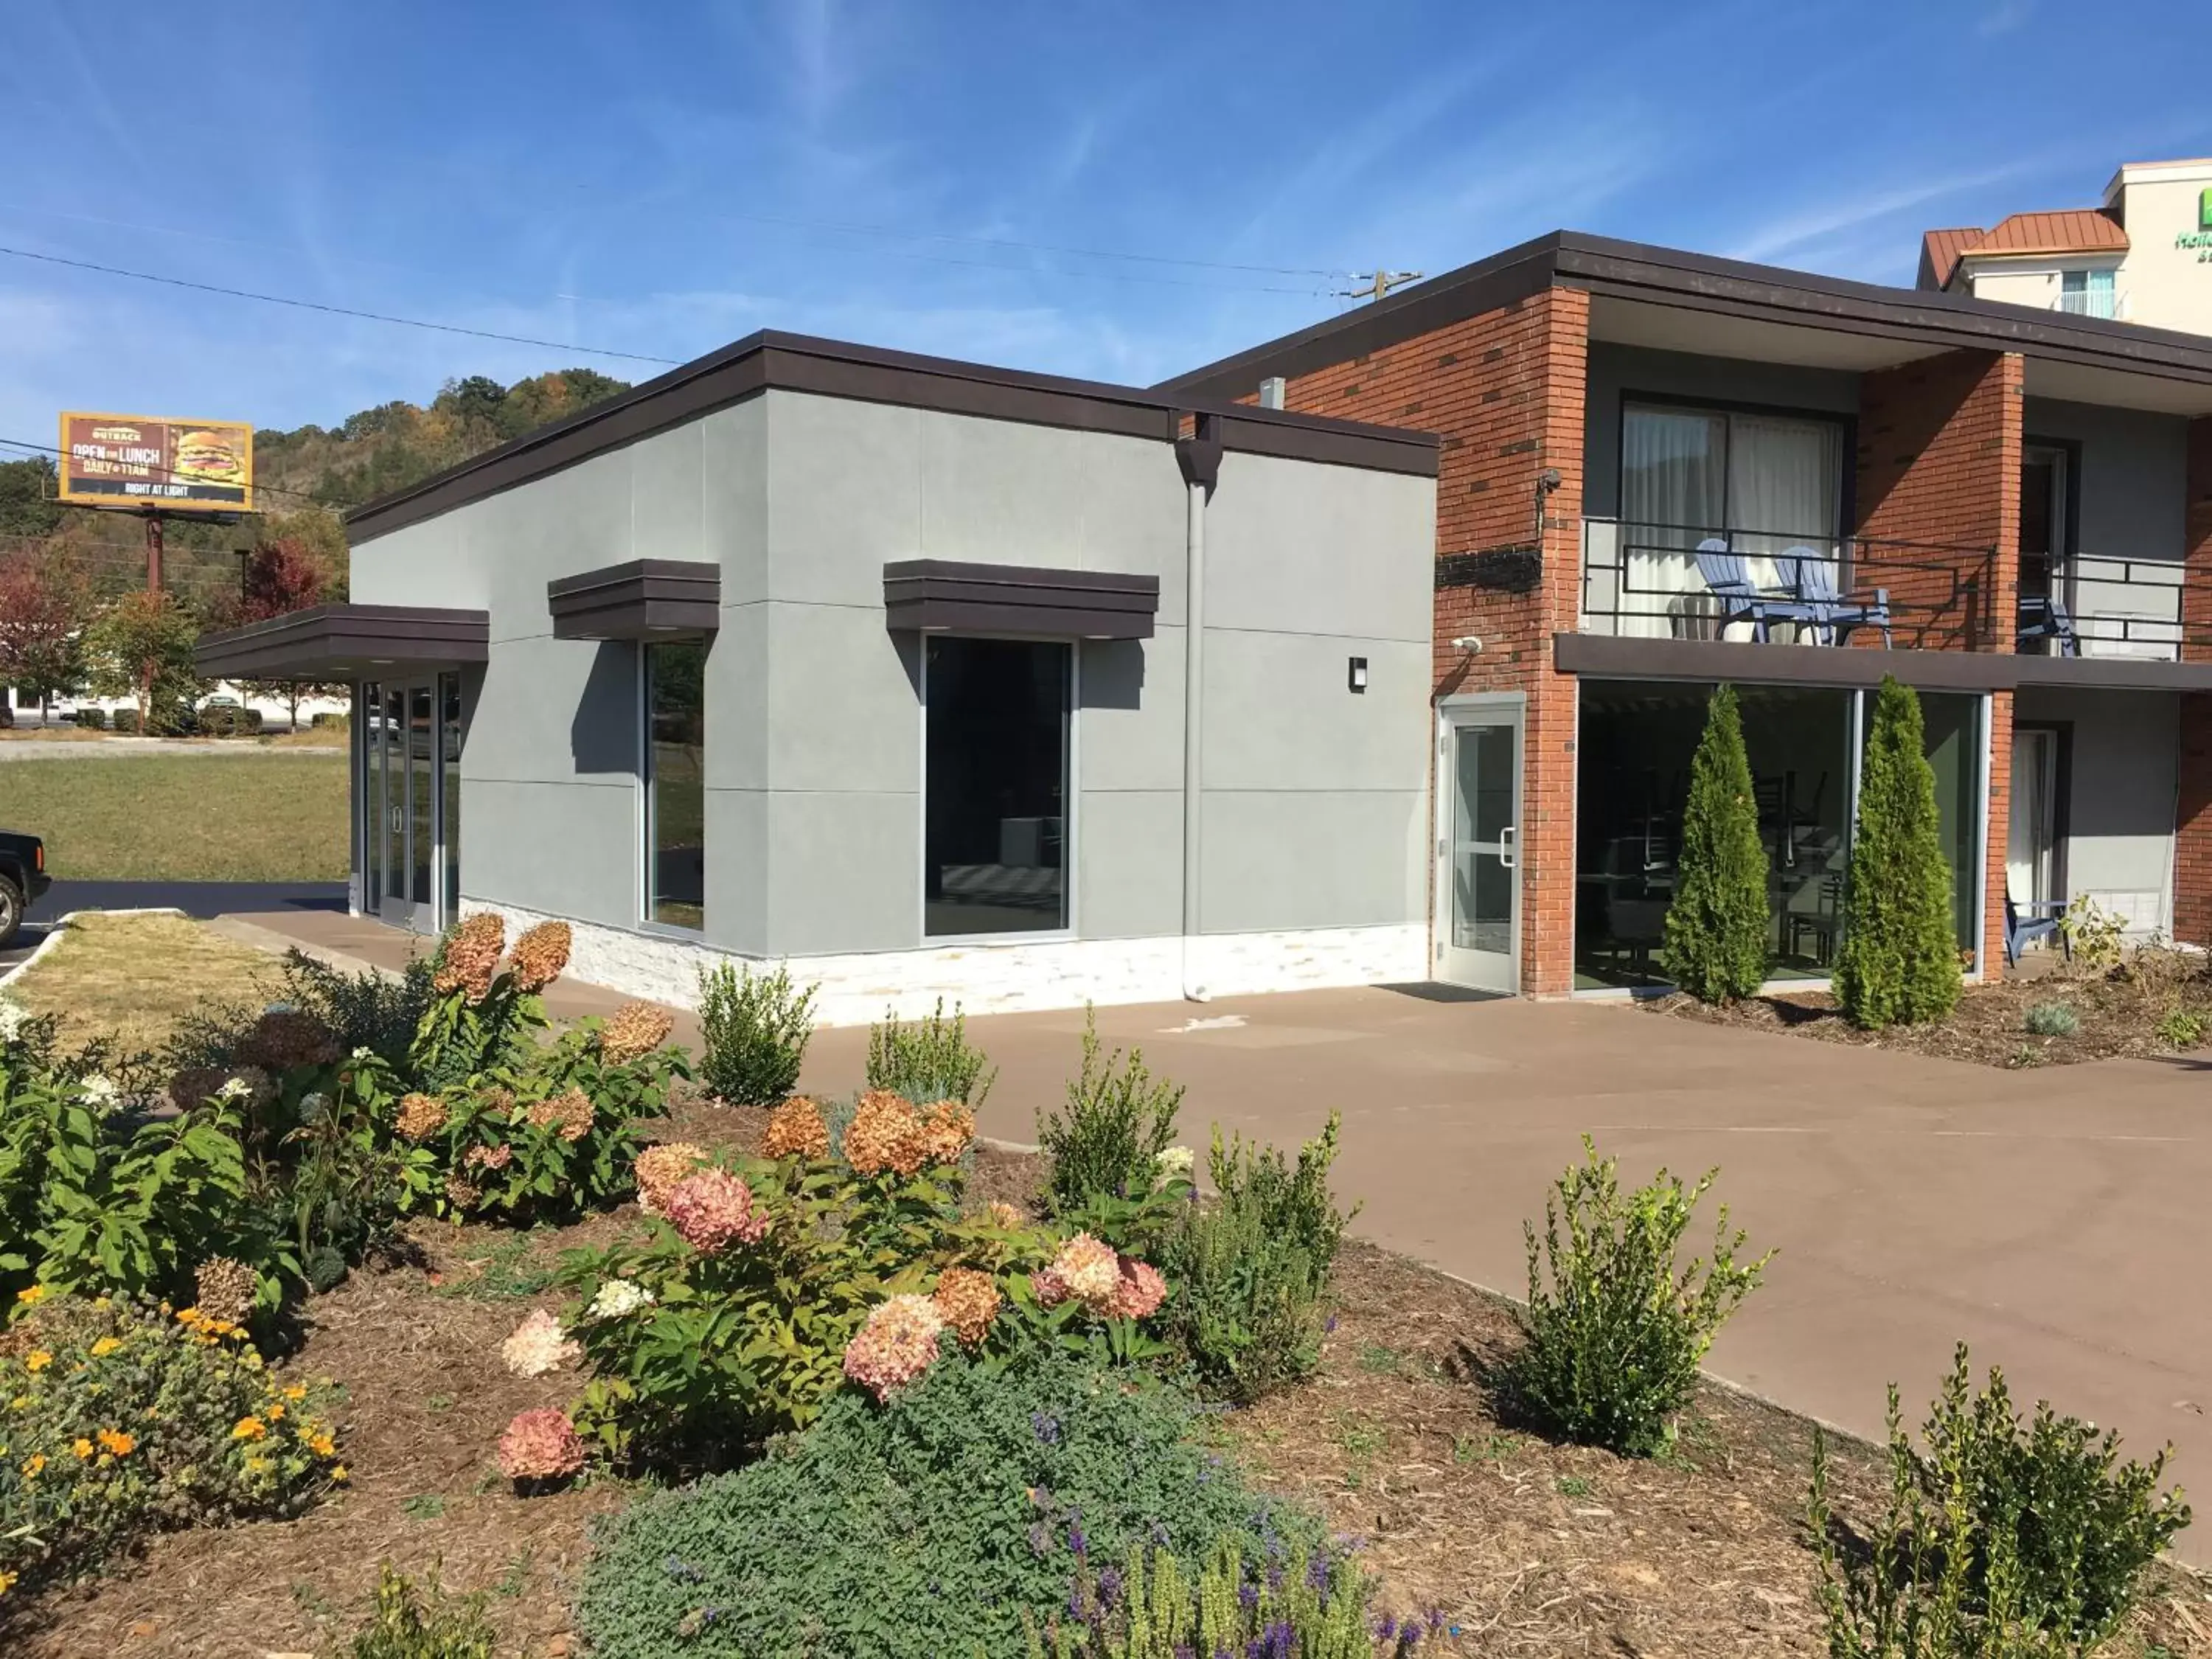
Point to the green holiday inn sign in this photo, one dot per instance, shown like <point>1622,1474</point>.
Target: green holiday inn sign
<point>2201,237</point>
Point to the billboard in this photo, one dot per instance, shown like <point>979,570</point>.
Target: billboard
<point>176,466</point>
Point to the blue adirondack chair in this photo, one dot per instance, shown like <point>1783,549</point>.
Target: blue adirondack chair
<point>1729,581</point>
<point>1813,580</point>
<point>2044,616</point>
<point>2040,922</point>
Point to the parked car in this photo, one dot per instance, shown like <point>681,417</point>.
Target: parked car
<point>23,880</point>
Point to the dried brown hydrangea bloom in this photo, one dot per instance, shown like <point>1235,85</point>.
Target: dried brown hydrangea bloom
<point>472,955</point>
<point>420,1116</point>
<point>462,1193</point>
<point>657,1168</point>
<point>224,1288</point>
<point>196,1085</point>
<point>968,1301</point>
<point>885,1133</point>
<point>948,1128</point>
<point>285,1039</point>
<point>567,1114</point>
<point>796,1129</point>
<point>632,1031</point>
<point>539,955</point>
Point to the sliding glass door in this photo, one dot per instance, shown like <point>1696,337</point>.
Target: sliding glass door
<point>408,795</point>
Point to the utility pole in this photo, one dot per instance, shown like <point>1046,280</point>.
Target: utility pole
<point>153,552</point>
<point>1380,284</point>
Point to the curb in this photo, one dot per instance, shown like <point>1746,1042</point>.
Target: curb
<point>61,924</point>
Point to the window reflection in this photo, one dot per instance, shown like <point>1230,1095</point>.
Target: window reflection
<point>676,794</point>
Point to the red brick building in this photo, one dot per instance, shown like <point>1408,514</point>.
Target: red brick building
<point>1661,471</point>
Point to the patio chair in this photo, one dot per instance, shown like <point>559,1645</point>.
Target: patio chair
<point>2044,616</point>
<point>1813,578</point>
<point>1729,581</point>
<point>2041,921</point>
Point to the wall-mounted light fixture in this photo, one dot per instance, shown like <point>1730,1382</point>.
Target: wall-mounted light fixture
<point>1357,678</point>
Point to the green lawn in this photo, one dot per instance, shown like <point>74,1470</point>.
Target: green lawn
<point>195,818</point>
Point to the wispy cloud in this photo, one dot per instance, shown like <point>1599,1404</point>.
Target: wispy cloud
<point>2003,17</point>
<point>1795,232</point>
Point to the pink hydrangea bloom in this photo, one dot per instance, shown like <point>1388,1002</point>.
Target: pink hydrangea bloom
<point>897,1344</point>
<point>539,1345</point>
<point>540,1445</point>
<point>1141,1292</point>
<point>713,1209</point>
<point>1089,1270</point>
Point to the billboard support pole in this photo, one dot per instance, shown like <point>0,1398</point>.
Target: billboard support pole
<point>153,552</point>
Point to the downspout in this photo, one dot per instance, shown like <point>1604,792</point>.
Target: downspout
<point>1200,457</point>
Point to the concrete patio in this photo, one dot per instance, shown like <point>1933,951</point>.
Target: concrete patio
<point>2055,1219</point>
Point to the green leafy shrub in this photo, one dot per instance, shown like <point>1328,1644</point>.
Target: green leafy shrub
<point>125,720</point>
<point>1313,1606</point>
<point>1111,1173</point>
<point>366,1009</point>
<point>1717,927</point>
<point>1250,1270</point>
<point>2095,936</point>
<point>1998,1540</point>
<point>1614,1328</point>
<point>2050,1019</point>
<point>1899,963</point>
<point>757,1028</point>
<point>122,1419</point>
<point>2182,1028</point>
<point>933,1526</point>
<point>421,1621</point>
<point>928,1059</point>
<point>96,718</point>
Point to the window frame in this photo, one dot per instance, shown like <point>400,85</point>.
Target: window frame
<point>1685,404</point>
<point>1070,929</point>
<point>647,822</point>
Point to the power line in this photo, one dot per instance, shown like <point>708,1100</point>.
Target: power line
<point>335,311</point>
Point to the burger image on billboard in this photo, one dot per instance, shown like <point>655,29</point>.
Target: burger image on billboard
<point>208,457</point>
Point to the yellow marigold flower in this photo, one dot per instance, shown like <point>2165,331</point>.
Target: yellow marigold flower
<point>248,1428</point>
<point>277,1412</point>
<point>338,1472</point>
<point>321,1444</point>
<point>80,1446</point>
<point>188,1315</point>
<point>35,1465</point>
<point>116,1441</point>
<point>7,1583</point>
<point>37,1360</point>
<point>20,1402</point>
<point>296,1393</point>
<point>102,1303</point>
<point>250,1360</point>
<point>257,1464</point>
<point>31,1295</point>
<point>105,1346</point>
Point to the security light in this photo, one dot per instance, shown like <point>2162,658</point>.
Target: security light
<point>1357,680</point>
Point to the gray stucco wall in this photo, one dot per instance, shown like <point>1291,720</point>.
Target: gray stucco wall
<point>1315,812</point>
<point>2131,496</point>
<point>1618,372</point>
<point>2119,837</point>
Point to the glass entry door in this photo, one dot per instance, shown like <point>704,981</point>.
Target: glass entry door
<point>1478,886</point>
<point>409,798</point>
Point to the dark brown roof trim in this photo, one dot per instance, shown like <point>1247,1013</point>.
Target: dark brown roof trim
<point>1633,271</point>
<point>1606,656</point>
<point>941,595</point>
<point>346,642</point>
<point>794,362</point>
<point>638,600</point>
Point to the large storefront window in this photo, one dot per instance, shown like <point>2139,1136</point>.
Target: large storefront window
<point>996,788</point>
<point>676,776</point>
<point>1634,750</point>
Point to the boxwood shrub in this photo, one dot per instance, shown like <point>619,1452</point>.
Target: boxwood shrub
<point>926,1527</point>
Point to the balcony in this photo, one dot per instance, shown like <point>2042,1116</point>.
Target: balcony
<point>1656,581</point>
<point>2108,303</point>
<point>2098,605</point>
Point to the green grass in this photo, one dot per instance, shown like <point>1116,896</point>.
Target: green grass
<point>164,818</point>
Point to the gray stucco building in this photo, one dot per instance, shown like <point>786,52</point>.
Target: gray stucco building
<point>879,664</point>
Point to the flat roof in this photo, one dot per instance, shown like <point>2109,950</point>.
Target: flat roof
<point>1918,321</point>
<point>773,361</point>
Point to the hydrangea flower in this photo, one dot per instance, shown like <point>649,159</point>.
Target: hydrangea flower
<point>897,1345</point>
<point>101,1093</point>
<point>539,955</point>
<point>1173,1164</point>
<point>713,1209</point>
<point>470,957</point>
<point>617,1298</point>
<point>420,1116</point>
<point>796,1129</point>
<point>885,1133</point>
<point>968,1301</point>
<point>567,1114</point>
<point>540,1445</point>
<point>657,1168</point>
<point>1138,1295</point>
<point>539,1345</point>
<point>632,1031</point>
<point>1088,1269</point>
<point>13,1019</point>
<point>947,1129</point>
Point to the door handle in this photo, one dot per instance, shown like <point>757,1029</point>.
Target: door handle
<point>1505,848</point>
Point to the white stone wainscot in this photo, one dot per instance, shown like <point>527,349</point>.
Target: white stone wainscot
<point>1003,979</point>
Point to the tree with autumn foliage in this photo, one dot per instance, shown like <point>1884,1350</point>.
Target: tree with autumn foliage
<point>140,648</point>
<point>45,603</point>
<point>281,576</point>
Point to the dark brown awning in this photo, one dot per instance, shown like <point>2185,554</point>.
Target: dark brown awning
<point>939,595</point>
<point>637,600</point>
<point>346,642</point>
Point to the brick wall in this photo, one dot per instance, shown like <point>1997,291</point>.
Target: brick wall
<point>1998,818</point>
<point>2197,592</point>
<point>1939,452</point>
<point>1505,392</point>
<point>2192,829</point>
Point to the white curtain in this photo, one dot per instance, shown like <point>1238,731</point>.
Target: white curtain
<point>1673,464</point>
<point>1784,483</point>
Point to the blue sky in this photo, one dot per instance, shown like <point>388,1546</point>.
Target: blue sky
<point>661,179</point>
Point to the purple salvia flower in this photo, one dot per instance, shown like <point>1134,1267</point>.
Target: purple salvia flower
<point>1274,1575</point>
<point>1386,1627</point>
<point>1317,1573</point>
<point>1328,1326</point>
<point>1109,1586</point>
<point>1076,1541</point>
<point>1247,1597</point>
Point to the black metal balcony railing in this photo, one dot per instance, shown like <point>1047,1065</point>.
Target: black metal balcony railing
<point>1648,580</point>
<point>2092,605</point>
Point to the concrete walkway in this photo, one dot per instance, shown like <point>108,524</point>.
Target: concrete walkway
<point>2056,1220</point>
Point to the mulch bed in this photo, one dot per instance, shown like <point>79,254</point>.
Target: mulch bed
<point>2117,1011</point>
<point>1530,1548</point>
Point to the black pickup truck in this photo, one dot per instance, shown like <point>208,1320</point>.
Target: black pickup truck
<point>22,879</point>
